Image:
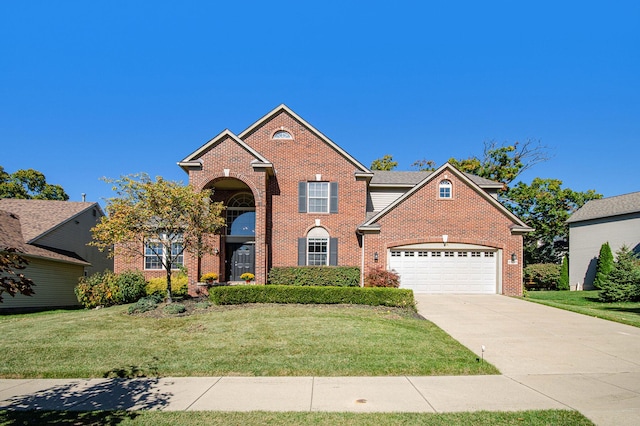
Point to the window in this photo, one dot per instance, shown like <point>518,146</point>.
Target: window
<point>462,254</point>
<point>318,197</point>
<point>488,254</point>
<point>475,254</point>
<point>436,254</point>
<point>396,253</point>
<point>282,134</point>
<point>155,255</point>
<point>445,189</point>
<point>241,215</point>
<point>449,254</point>
<point>317,249</point>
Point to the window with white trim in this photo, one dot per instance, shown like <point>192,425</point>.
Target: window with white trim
<point>282,134</point>
<point>318,199</point>
<point>156,255</point>
<point>444,189</point>
<point>318,247</point>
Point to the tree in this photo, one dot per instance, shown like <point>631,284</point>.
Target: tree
<point>164,217</point>
<point>623,282</point>
<point>384,163</point>
<point>563,281</point>
<point>545,206</point>
<point>499,163</point>
<point>12,281</point>
<point>604,266</point>
<point>29,184</point>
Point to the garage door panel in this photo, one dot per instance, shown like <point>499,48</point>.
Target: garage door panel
<point>446,271</point>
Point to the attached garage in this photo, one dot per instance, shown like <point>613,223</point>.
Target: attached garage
<point>444,270</point>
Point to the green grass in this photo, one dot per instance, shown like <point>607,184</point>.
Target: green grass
<point>248,340</point>
<point>586,302</point>
<point>155,418</point>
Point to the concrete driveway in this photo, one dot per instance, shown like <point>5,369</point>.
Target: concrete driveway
<point>588,364</point>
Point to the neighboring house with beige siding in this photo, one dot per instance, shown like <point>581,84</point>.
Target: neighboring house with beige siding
<point>53,237</point>
<point>615,220</point>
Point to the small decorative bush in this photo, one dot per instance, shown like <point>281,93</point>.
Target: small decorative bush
<point>335,276</point>
<point>543,275</point>
<point>143,305</point>
<point>99,289</point>
<point>234,295</point>
<point>247,276</point>
<point>379,277</point>
<point>209,276</point>
<point>175,308</point>
<point>131,285</point>
<point>179,285</point>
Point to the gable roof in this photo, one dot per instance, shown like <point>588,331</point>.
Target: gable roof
<point>193,159</point>
<point>11,237</point>
<point>39,217</point>
<point>519,225</point>
<point>607,207</point>
<point>383,178</point>
<point>319,134</point>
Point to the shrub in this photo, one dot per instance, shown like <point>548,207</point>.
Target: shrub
<point>623,282</point>
<point>336,276</point>
<point>143,305</point>
<point>563,279</point>
<point>379,277</point>
<point>604,266</point>
<point>544,275</point>
<point>233,295</point>
<point>179,285</point>
<point>131,285</point>
<point>99,289</point>
<point>175,308</point>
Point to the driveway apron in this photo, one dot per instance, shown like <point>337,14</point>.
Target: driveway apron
<point>585,363</point>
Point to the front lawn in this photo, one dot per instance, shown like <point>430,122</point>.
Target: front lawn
<point>586,302</point>
<point>156,418</point>
<point>246,340</point>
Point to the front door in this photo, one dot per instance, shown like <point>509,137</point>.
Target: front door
<point>241,258</point>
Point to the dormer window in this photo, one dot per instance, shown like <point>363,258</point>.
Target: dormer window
<point>444,189</point>
<point>282,134</point>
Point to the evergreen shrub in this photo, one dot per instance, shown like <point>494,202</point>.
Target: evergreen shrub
<point>234,295</point>
<point>623,282</point>
<point>335,276</point>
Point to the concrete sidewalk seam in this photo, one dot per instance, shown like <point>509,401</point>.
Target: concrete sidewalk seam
<point>542,393</point>
<point>313,386</point>
<point>421,395</point>
<point>203,394</point>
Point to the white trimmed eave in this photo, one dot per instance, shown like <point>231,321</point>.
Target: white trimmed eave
<point>518,223</point>
<point>193,160</point>
<point>369,229</point>
<point>283,107</point>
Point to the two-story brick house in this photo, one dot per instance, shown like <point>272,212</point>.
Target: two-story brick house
<point>294,197</point>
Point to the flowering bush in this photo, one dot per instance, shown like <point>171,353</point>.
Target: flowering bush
<point>209,276</point>
<point>247,276</point>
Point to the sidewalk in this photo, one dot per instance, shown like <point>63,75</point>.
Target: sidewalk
<point>355,394</point>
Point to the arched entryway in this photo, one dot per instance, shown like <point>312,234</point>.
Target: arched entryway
<point>236,253</point>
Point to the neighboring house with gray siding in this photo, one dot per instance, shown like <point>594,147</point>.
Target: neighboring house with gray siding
<point>615,220</point>
<point>53,237</point>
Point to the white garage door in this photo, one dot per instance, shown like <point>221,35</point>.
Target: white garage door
<point>440,271</point>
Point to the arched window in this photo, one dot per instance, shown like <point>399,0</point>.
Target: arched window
<point>445,188</point>
<point>318,247</point>
<point>282,134</point>
<point>241,215</point>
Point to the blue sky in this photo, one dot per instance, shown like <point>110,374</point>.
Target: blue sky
<point>91,89</point>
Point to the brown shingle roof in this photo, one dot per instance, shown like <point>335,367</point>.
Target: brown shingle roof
<point>11,237</point>
<point>607,207</point>
<point>40,216</point>
<point>404,178</point>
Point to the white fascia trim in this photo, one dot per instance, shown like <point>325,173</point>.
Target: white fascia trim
<point>461,176</point>
<point>283,107</point>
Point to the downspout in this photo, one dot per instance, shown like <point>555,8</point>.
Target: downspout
<point>362,262</point>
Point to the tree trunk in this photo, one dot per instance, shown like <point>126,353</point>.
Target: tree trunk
<point>169,299</point>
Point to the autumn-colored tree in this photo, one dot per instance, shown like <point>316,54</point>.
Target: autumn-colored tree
<point>167,217</point>
<point>13,281</point>
<point>29,184</point>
